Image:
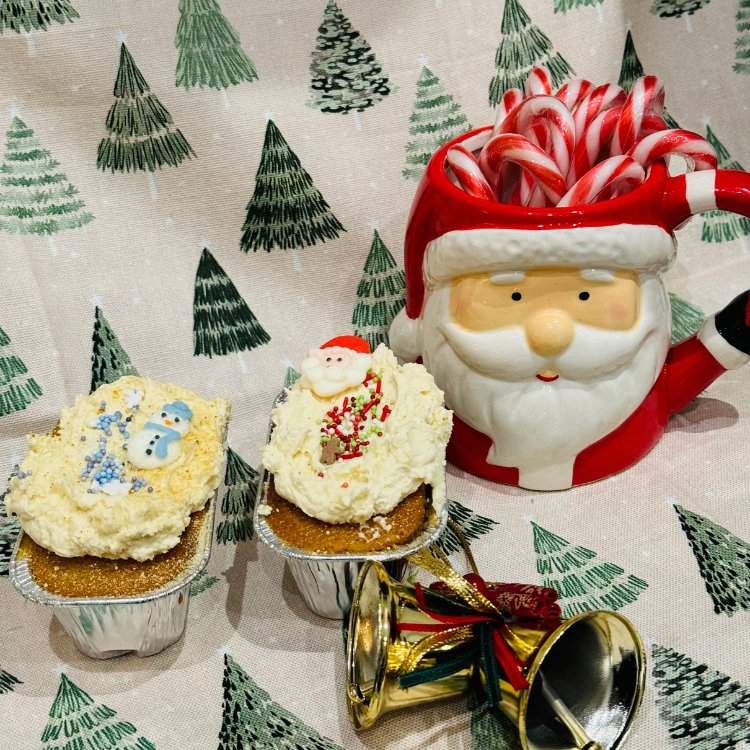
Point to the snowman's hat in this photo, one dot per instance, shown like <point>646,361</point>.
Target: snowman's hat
<point>179,408</point>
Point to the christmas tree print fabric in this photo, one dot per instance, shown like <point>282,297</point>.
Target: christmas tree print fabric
<point>201,191</point>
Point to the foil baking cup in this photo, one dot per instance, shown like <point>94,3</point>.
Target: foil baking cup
<point>327,581</point>
<point>107,626</point>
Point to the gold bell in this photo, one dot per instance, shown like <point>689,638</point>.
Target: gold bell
<point>378,653</point>
<point>585,678</point>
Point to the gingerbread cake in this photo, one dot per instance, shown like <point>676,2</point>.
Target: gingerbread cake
<point>357,452</point>
<point>111,501</point>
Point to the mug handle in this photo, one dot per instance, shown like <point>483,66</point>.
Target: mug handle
<point>707,190</point>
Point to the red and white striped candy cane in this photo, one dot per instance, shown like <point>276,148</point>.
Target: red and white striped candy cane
<point>645,97</point>
<point>511,98</point>
<point>515,148</point>
<point>593,141</point>
<point>468,173</point>
<point>696,150</point>
<point>621,172</point>
<point>538,81</point>
<point>596,101</point>
<point>573,92</point>
<point>652,124</point>
<point>524,118</point>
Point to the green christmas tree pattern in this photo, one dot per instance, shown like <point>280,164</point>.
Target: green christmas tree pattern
<point>7,682</point>
<point>76,722</point>
<point>676,8</point>
<point>686,318</point>
<point>241,481</point>
<point>16,390</point>
<point>209,46</point>
<point>291,376</point>
<point>471,524</point>
<point>435,120</point>
<point>742,45</point>
<point>563,6</point>
<point>140,131</point>
<point>286,209</point>
<point>380,294</point>
<point>722,226</point>
<point>345,75</point>
<point>582,583</point>
<point>202,582</point>
<point>222,321</point>
<point>35,197</point>
<point>523,46</point>
<point>631,70</point>
<point>109,361</point>
<point>253,720</point>
<point>703,709</point>
<point>723,560</point>
<point>34,15</point>
<point>490,729</point>
<point>9,528</point>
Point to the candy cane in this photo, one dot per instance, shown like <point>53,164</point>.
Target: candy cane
<point>594,140</point>
<point>468,173</point>
<point>573,92</point>
<point>550,110</point>
<point>597,101</point>
<point>511,98</point>
<point>645,97</point>
<point>697,151</point>
<point>511,147</point>
<point>538,81</point>
<point>620,172</point>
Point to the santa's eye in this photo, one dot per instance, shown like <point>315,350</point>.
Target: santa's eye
<point>339,359</point>
<point>584,296</point>
<point>516,296</point>
<point>164,414</point>
<point>329,359</point>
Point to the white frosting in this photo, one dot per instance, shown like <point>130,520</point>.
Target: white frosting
<point>410,452</point>
<point>75,515</point>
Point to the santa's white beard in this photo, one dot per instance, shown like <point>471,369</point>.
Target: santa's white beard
<point>489,379</point>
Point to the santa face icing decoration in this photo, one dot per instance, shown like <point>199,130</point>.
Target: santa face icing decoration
<point>340,364</point>
<point>550,332</point>
<point>158,443</point>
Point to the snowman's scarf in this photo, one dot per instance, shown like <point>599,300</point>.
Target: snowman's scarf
<point>164,440</point>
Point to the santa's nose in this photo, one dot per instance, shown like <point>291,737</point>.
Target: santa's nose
<point>549,332</point>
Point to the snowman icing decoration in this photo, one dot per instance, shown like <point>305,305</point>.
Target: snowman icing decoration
<point>158,443</point>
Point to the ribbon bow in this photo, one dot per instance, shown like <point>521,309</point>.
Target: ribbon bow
<point>479,620</point>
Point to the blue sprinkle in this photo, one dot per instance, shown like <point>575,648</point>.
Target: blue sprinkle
<point>125,434</point>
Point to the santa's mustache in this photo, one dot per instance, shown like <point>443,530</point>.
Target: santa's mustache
<point>504,353</point>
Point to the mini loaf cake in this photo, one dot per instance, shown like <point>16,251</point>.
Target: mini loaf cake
<point>121,477</point>
<point>357,451</point>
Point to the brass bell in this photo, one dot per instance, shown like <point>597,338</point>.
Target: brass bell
<point>378,653</point>
<point>585,678</point>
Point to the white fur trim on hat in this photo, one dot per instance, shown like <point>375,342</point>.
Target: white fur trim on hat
<point>637,247</point>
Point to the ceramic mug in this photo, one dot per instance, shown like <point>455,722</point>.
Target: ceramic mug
<point>549,329</point>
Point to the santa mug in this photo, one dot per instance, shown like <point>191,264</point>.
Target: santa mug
<point>549,329</point>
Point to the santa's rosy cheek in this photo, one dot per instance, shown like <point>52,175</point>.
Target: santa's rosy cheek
<point>619,313</point>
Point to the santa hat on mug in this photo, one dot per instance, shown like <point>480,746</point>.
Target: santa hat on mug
<point>451,233</point>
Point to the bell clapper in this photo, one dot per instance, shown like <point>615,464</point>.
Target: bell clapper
<point>581,738</point>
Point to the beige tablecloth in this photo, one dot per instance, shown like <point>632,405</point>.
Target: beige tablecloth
<point>108,261</point>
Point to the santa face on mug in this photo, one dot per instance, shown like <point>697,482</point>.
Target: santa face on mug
<point>547,361</point>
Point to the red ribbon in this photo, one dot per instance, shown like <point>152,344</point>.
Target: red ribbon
<point>506,657</point>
